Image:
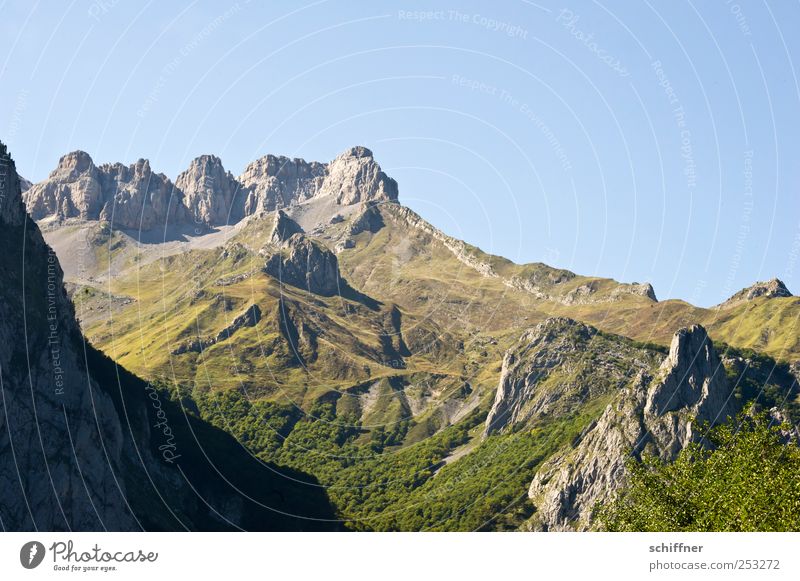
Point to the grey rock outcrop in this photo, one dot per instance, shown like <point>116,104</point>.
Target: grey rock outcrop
<point>770,289</point>
<point>556,367</point>
<point>274,182</point>
<point>369,219</point>
<point>642,289</point>
<point>589,293</point>
<point>656,414</point>
<point>212,195</point>
<point>134,197</point>
<point>306,264</point>
<point>137,198</point>
<point>354,177</point>
<point>129,197</point>
<point>283,228</point>
<point>73,190</point>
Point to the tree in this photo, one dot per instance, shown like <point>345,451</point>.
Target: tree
<point>747,480</point>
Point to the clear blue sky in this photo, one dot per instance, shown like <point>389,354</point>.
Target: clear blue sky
<point>645,140</point>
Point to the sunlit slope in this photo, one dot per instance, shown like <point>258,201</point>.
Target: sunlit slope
<point>424,302</point>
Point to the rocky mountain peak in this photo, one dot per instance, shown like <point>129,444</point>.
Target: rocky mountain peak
<point>134,197</point>
<point>354,177</point>
<point>305,264</point>
<point>73,165</point>
<point>556,366</point>
<point>73,190</point>
<point>770,289</point>
<point>654,414</point>
<point>691,378</point>
<point>283,228</point>
<point>212,195</point>
<point>356,151</point>
<point>274,182</point>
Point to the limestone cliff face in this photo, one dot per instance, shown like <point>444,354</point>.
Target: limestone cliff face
<point>73,190</point>
<point>137,198</point>
<point>212,195</point>
<point>134,197</point>
<point>658,414</point>
<point>558,366</point>
<point>306,264</point>
<point>61,440</point>
<point>274,182</point>
<point>354,177</point>
<point>129,197</point>
<point>279,182</point>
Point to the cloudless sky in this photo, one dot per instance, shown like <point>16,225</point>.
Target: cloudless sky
<point>644,141</point>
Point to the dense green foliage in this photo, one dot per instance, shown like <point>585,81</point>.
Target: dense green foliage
<point>761,381</point>
<point>376,485</point>
<point>747,481</point>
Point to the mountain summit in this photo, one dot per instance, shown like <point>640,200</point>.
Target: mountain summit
<point>771,289</point>
<point>205,194</point>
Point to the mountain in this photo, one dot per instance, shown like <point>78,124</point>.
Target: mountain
<point>770,289</point>
<point>85,445</point>
<point>655,412</point>
<point>205,194</point>
<point>424,383</point>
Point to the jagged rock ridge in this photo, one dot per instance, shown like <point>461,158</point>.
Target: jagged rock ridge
<point>211,193</point>
<point>283,228</point>
<point>555,367</point>
<point>771,289</point>
<point>205,194</point>
<point>655,414</point>
<point>306,264</point>
<point>131,197</point>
